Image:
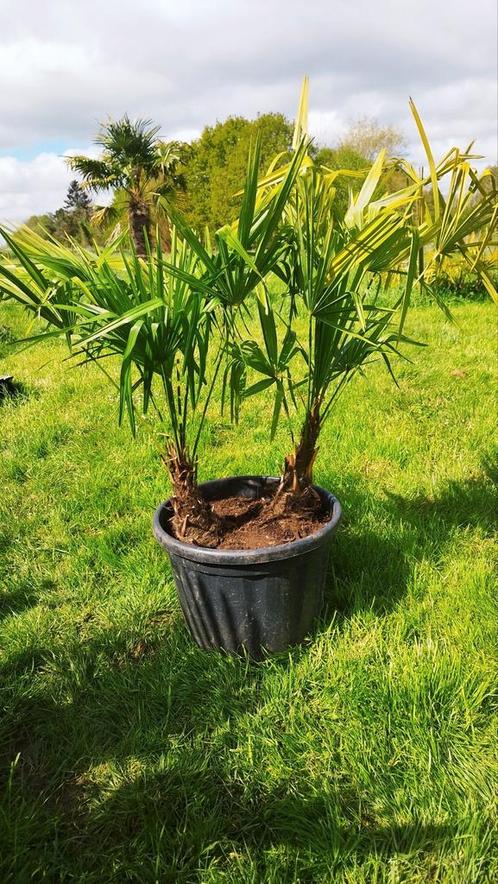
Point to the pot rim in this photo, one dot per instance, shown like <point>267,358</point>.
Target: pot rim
<point>246,556</point>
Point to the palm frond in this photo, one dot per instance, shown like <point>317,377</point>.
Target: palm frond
<point>96,174</point>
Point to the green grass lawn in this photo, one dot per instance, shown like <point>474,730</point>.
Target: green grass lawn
<point>367,755</point>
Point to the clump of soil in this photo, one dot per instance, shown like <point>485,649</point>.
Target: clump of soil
<point>245,523</point>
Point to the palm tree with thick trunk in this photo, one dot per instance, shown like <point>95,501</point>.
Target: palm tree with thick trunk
<point>139,168</point>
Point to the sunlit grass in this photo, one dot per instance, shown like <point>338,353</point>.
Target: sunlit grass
<point>366,755</point>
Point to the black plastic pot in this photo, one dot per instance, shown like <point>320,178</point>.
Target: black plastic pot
<point>249,600</point>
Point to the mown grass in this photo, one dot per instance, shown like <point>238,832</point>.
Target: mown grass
<point>367,755</point>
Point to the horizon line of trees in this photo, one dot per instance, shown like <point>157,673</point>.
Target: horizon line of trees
<point>202,179</point>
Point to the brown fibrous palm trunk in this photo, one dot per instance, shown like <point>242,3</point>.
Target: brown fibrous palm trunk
<point>193,518</point>
<point>139,216</point>
<point>166,235</point>
<point>295,491</point>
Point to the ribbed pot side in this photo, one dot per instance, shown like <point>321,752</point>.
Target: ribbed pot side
<point>254,601</point>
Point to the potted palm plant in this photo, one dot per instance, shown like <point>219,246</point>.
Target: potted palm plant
<point>178,326</point>
<point>158,316</point>
<point>328,325</point>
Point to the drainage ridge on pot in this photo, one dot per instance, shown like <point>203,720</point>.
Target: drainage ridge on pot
<point>249,600</point>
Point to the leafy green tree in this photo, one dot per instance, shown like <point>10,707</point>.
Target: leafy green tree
<point>215,172</point>
<point>138,167</point>
<point>39,223</point>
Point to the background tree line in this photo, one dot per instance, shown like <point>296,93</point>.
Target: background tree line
<point>202,179</point>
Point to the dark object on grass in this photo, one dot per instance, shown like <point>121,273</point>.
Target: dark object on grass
<point>254,601</point>
<point>8,387</point>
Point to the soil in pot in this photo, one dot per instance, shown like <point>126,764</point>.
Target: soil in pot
<point>245,523</point>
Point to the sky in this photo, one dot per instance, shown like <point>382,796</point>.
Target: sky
<point>68,65</point>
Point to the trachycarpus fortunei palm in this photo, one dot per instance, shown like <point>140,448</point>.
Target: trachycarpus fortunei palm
<point>139,168</point>
<point>333,272</point>
<point>160,315</point>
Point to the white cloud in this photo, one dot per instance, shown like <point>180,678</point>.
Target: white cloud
<point>28,188</point>
<point>66,66</point>
<point>32,187</point>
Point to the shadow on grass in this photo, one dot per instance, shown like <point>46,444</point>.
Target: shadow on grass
<point>16,602</point>
<point>472,503</point>
<point>124,741</point>
<point>370,561</point>
<point>23,593</point>
<point>124,771</point>
<point>12,601</point>
<point>366,572</point>
<point>129,699</point>
<point>381,538</point>
<point>122,692</point>
<point>191,812</point>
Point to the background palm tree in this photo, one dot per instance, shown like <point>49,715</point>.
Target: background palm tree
<point>139,168</point>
